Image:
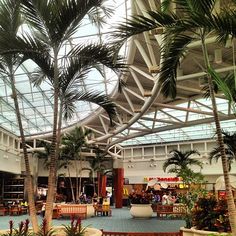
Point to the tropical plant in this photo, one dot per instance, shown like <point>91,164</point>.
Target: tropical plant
<point>73,143</point>
<point>97,164</point>
<point>11,21</point>
<point>191,180</point>
<point>51,25</point>
<point>193,183</point>
<point>75,228</point>
<point>44,155</point>
<point>230,149</point>
<point>211,214</point>
<point>137,198</point>
<point>181,160</point>
<point>192,21</point>
<point>23,229</point>
<point>44,231</point>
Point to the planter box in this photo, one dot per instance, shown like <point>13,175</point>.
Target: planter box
<point>195,232</point>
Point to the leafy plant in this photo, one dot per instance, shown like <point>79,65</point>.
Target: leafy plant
<point>44,231</point>
<point>23,229</point>
<point>75,228</point>
<point>211,214</point>
<point>136,198</point>
<point>194,182</point>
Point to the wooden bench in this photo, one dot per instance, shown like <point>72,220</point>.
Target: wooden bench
<point>72,210</point>
<point>164,210</point>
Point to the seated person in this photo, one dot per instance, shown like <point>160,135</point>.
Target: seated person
<point>24,203</point>
<point>105,206</point>
<point>95,199</point>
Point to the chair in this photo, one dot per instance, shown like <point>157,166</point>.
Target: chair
<point>14,210</point>
<point>24,210</point>
<point>106,210</point>
<point>3,210</point>
<point>98,210</point>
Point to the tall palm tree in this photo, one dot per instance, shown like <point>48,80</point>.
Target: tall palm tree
<point>44,155</point>
<point>180,163</point>
<point>73,143</point>
<point>230,149</point>
<point>11,21</point>
<point>194,20</point>
<point>53,23</point>
<point>181,160</point>
<point>97,164</point>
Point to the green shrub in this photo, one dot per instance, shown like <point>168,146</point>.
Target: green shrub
<point>211,214</point>
<point>75,228</point>
<point>23,229</point>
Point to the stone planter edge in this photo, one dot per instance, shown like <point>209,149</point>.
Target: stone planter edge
<point>196,232</point>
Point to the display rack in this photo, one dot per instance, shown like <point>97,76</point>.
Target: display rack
<point>13,189</point>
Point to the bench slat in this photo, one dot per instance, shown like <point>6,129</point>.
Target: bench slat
<point>71,210</point>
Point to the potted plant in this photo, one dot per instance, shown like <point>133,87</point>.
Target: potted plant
<point>209,217</point>
<point>141,205</point>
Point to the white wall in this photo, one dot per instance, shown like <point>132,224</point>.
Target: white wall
<point>10,162</point>
<point>147,160</point>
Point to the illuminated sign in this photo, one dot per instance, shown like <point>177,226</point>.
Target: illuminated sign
<point>163,179</point>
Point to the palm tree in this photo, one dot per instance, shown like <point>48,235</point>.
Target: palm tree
<point>180,163</point>
<point>73,143</point>
<point>230,149</point>
<point>44,155</point>
<point>98,165</point>
<point>181,160</point>
<point>54,23</point>
<point>10,21</point>
<point>196,21</point>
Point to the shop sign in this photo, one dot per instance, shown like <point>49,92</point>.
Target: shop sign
<point>163,179</point>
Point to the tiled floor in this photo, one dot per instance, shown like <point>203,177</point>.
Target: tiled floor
<point>120,220</point>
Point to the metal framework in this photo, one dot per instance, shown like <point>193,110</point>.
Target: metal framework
<point>141,109</point>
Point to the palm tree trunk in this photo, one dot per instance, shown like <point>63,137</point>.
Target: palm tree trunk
<point>53,157</point>
<point>29,181</point>
<point>94,186</point>
<point>76,181</point>
<point>99,180</point>
<point>229,194</point>
<point>80,175</point>
<point>58,139</point>
<point>71,185</point>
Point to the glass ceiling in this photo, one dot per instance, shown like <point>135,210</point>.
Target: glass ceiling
<point>36,102</point>
<point>196,132</point>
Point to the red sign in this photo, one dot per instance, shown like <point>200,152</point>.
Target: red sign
<point>164,179</point>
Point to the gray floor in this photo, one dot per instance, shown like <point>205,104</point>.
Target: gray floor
<point>120,221</point>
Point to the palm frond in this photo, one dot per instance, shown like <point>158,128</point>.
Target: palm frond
<point>64,19</point>
<point>221,84</point>
<point>173,50</point>
<point>139,24</point>
<point>98,16</point>
<point>92,54</point>
<point>181,160</point>
<point>91,96</point>
<point>37,77</point>
<point>173,170</point>
<point>191,7</point>
<point>10,17</point>
<point>230,149</point>
<point>224,25</point>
